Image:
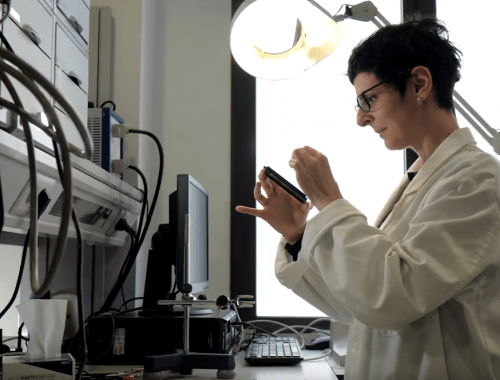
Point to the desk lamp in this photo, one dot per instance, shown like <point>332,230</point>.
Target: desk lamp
<point>308,33</point>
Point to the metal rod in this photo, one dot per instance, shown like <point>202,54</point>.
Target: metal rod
<point>186,328</point>
<point>187,249</point>
<point>473,112</point>
<point>186,296</point>
<point>383,19</point>
<point>186,302</point>
<point>377,23</point>
<point>474,124</point>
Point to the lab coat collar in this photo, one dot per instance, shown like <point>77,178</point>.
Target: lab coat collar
<point>457,140</point>
<point>453,143</point>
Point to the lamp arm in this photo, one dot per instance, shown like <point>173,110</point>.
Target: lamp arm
<point>490,134</point>
<point>365,11</point>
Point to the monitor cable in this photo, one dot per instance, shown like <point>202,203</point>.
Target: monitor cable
<point>158,183</point>
<point>142,234</point>
<point>145,196</point>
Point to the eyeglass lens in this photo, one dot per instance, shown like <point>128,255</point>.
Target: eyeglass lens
<point>363,104</point>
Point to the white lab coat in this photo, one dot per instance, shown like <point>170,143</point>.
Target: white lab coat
<point>421,289</point>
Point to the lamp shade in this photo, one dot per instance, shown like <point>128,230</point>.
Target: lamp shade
<point>259,28</point>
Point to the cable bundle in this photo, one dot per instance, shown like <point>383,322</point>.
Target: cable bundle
<point>30,78</point>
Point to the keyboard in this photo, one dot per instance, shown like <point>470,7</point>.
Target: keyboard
<point>274,351</point>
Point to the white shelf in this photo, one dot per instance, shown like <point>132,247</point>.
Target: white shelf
<point>101,199</point>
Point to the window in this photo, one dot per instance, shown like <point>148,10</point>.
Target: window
<point>480,81</point>
<point>316,109</point>
<point>270,120</point>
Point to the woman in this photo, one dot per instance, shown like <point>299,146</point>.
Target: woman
<point>420,289</point>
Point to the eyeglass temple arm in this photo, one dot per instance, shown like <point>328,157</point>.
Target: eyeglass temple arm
<point>366,11</point>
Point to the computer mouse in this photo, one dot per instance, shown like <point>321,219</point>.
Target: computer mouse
<point>319,343</point>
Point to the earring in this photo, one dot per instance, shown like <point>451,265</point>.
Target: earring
<point>420,101</point>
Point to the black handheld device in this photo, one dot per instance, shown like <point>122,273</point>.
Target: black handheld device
<point>292,190</point>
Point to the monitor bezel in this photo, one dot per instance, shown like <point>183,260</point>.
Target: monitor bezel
<point>184,181</point>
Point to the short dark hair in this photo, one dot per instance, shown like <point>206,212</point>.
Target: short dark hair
<point>419,41</point>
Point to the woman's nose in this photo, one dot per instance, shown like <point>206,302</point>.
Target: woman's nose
<point>363,118</point>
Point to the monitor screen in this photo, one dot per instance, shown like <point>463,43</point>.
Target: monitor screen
<point>192,200</point>
<point>169,245</point>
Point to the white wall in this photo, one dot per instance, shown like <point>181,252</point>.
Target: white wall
<point>172,77</point>
<point>11,261</point>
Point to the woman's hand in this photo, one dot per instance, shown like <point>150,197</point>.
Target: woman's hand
<point>282,211</point>
<point>315,176</point>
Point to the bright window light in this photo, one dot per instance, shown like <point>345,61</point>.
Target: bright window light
<point>316,108</point>
<point>479,83</point>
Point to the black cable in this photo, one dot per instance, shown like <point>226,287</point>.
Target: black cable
<point>112,337</point>
<point>133,247</point>
<point>14,338</point>
<point>116,288</point>
<point>130,300</point>
<point>255,327</point>
<point>6,43</point>
<point>145,200</point>
<point>79,275</point>
<point>110,102</point>
<point>20,338</point>
<point>133,239</point>
<point>158,183</point>
<point>129,310</point>
<point>123,297</point>
<point>19,276</point>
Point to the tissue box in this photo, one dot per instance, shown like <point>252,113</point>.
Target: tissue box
<point>16,367</point>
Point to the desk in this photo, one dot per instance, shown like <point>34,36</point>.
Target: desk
<point>321,369</point>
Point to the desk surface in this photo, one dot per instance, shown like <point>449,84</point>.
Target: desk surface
<point>321,369</point>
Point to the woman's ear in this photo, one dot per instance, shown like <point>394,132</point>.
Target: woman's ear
<point>422,81</point>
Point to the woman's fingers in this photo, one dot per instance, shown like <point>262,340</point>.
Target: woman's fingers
<point>249,211</point>
<point>257,194</point>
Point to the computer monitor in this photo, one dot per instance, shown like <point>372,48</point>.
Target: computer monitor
<point>192,200</point>
<point>169,245</point>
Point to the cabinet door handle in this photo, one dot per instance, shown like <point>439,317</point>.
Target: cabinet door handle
<point>31,33</point>
<point>76,24</point>
<point>74,77</point>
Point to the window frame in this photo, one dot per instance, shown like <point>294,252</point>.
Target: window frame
<point>243,274</point>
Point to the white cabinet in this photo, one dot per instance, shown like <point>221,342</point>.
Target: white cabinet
<point>52,35</point>
<point>35,22</point>
<point>76,13</point>
<point>45,34</point>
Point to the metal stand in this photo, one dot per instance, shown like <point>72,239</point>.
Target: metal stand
<point>186,361</point>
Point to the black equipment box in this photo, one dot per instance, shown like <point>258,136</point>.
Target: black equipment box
<point>128,338</point>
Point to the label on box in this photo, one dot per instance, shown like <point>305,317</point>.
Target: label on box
<point>119,342</point>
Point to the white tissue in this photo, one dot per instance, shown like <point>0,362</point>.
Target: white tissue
<point>45,320</point>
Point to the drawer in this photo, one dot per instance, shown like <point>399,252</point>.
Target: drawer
<point>28,51</point>
<point>78,99</point>
<point>34,21</point>
<point>50,3</point>
<point>77,13</point>
<point>71,60</point>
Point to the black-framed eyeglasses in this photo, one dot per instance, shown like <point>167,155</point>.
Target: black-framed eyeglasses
<point>364,102</point>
